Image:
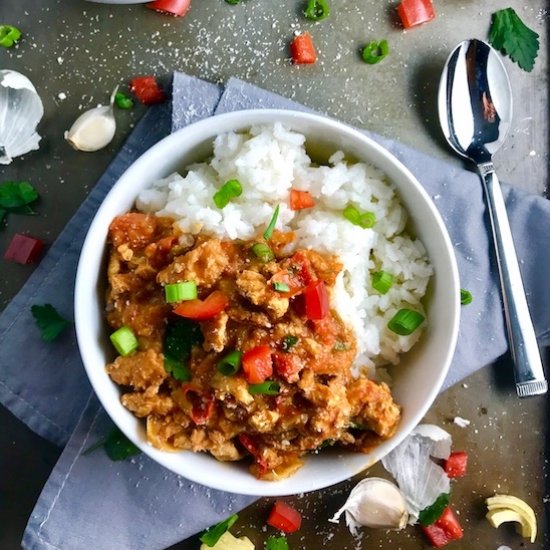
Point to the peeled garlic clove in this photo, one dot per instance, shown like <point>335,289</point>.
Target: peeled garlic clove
<point>21,110</point>
<point>374,502</point>
<point>93,129</point>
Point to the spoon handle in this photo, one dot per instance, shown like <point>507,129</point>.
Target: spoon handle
<point>528,370</point>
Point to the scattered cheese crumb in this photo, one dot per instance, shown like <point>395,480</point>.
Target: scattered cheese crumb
<point>462,422</point>
<point>62,96</point>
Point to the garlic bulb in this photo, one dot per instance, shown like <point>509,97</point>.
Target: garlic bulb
<point>21,110</point>
<point>93,129</point>
<point>374,502</point>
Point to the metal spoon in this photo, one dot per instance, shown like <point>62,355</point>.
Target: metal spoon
<point>475,112</point>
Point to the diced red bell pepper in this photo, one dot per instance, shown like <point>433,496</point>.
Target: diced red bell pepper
<point>202,403</point>
<point>317,303</point>
<point>444,530</point>
<point>287,365</point>
<point>284,517</point>
<point>147,90</point>
<point>415,12</point>
<point>200,310</point>
<point>23,249</point>
<point>301,199</point>
<point>177,8</point>
<point>257,364</point>
<point>455,465</point>
<point>302,50</point>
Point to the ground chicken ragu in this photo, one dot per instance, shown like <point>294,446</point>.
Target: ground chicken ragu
<point>318,401</point>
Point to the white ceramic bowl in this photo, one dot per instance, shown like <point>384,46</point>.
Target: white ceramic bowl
<point>416,381</point>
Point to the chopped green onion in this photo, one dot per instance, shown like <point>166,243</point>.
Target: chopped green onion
<point>228,191</point>
<point>179,292</point>
<point>263,252</point>
<point>405,322</point>
<point>265,388</point>
<point>212,535</point>
<point>375,51</point>
<point>122,101</point>
<point>365,220</point>
<point>231,363</point>
<point>178,369</point>
<point>276,543</point>
<point>317,10</point>
<point>382,281</point>
<point>269,231</point>
<point>124,341</point>
<point>9,35</point>
<point>232,2</point>
<point>465,297</point>
<point>281,287</point>
<point>289,342</point>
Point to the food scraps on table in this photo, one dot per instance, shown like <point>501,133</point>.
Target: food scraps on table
<point>415,12</point>
<point>9,35</point>
<point>116,445</point>
<point>375,51</point>
<point>176,8</point>
<point>302,49</point>
<point>212,535</point>
<point>16,197</point>
<point>147,90</point>
<point>24,249</point>
<point>317,10</point>
<point>508,508</point>
<point>49,321</point>
<point>284,517</point>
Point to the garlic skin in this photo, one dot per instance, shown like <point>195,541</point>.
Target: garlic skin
<point>21,110</point>
<point>93,129</point>
<point>374,502</point>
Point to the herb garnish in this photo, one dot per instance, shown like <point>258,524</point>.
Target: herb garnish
<point>433,512</point>
<point>289,342</point>
<point>509,34</point>
<point>276,543</point>
<point>465,297</point>
<point>116,445</point>
<point>15,197</point>
<point>48,320</point>
<point>212,535</point>
<point>179,338</point>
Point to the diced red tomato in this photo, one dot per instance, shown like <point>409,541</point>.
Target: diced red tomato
<point>199,310</point>
<point>284,517</point>
<point>202,403</point>
<point>171,7</point>
<point>317,304</point>
<point>444,530</point>
<point>455,465</point>
<point>257,364</point>
<point>301,199</point>
<point>147,90</point>
<point>23,249</point>
<point>302,50</point>
<point>415,12</point>
<point>287,365</point>
<point>251,445</point>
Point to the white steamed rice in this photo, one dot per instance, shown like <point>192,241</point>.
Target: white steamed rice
<point>269,161</point>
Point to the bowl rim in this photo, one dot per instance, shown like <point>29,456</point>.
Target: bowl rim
<point>241,120</point>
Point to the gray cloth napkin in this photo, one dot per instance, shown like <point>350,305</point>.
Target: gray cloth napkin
<point>90,501</point>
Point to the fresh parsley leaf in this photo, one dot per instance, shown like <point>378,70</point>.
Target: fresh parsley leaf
<point>116,445</point>
<point>16,194</point>
<point>3,214</point>
<point>212,535</point>
<point>180,336</point>
<point>50,323</point>
<point>289,342</point>
<point>465,297</point>
<point>433,512</point>
<point>276,543</point>
<point>509,34</point>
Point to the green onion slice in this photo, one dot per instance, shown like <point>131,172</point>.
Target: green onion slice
<point>179,292</point>
<point>405,322</point>
<point>124,341</point>
<point>289,342</point>
<point>269,231</point>
<point>178,369</point>
<point>281,287</point>
<point>232,2</point>
<point>317,10</point>
<point>276,543</point>
<point>375,51</point>
<point>265,388</point>
<point>9,35</point>
<point>231,363</point>
<point>382,281</point>
<point>465,297</point>
<point>231,189</point>
<point>122,101</point>
<point>212,535</point>
<point>366,220</point>
<point>263,252</point>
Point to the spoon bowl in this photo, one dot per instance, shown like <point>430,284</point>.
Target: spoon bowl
<point>475,113</point>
